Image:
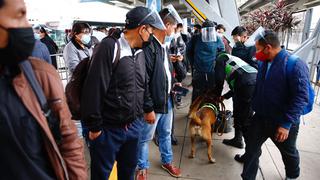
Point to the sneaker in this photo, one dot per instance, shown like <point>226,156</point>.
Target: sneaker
<point>239,158</point>
<point>141,174</point>
<point>172,170</point>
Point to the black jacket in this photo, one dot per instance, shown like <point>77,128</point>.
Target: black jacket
<point>156,96</point>
<point>113,99</point>
<point>52,47</point>
<point>241,78</point>
<point>245,53</point>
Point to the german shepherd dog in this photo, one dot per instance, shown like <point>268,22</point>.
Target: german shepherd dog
<point>203,115</point>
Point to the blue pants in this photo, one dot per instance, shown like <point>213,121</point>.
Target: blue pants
<point>163,125</point>
<point>115,144</point>
<point>260,130</point>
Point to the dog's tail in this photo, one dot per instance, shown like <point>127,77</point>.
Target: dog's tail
<point>193,113</point>
<point>195,118</point>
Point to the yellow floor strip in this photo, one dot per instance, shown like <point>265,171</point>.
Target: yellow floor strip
<point>113,175</point>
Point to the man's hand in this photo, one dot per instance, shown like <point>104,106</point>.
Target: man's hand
<point>177,84</point>
<point>221,98</point>
<point>179,58</point>
<point>94,135</point>
<point>281,134</point>
<point>173,58</point>
<point>150,117</point>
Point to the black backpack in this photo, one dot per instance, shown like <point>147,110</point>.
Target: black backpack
<point>74,87</point>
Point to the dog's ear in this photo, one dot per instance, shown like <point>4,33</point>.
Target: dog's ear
<point>198,113</point>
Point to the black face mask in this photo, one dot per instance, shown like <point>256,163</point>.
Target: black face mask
<point>20,46</point>
<point>147,43</point>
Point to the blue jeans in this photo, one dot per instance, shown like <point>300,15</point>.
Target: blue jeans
<point>115,144</point>
<point>163,125</point>
<point>260,130</point>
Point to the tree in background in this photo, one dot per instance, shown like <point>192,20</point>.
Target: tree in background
<point>278,18</point>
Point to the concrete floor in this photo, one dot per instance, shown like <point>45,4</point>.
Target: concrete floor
<point>226,168</point>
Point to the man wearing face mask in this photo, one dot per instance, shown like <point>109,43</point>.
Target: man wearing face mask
<point>113,95</point>
<point>158,101</point>
<point>29,150</point>
<point>278,103</point>
<point>240,36</point>
<point>79,46</point>
<point>42,34</point>
<point>40,50</point>
<point>202,51</point>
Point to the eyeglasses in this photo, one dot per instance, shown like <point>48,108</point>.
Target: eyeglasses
<point>86,31</point>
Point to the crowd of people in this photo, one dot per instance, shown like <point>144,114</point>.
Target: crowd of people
<point>128,95</point>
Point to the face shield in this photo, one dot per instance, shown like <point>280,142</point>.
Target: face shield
<point>154,20</point>
<point>258,34</point>
<point>208,34</point>
<point>174,13</point>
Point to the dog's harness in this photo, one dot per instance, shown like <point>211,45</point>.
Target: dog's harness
<point>211,106</point>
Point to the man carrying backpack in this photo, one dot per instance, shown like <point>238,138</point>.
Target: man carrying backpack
<point>278,102</point>
<point>113,96</point>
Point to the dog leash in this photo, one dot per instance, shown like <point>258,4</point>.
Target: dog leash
<point>224,119</point>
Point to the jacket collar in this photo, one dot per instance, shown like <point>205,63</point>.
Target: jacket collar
<point>125,47</point>
<point>76,44</point>
<point>280,56</point>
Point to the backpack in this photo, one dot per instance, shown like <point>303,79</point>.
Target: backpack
<point>289,69</point>
<point>74,87</point>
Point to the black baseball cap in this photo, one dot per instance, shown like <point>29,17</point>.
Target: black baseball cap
<point>142,16</point>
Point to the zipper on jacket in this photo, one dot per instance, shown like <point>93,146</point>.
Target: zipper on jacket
<point>166,91</point>
<point>135,88</point>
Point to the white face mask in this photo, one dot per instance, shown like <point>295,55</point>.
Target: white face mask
<point>168,39</point>
<point>86,38</point>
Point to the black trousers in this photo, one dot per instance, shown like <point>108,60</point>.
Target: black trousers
<point>201,82</point>
<point>260,130</point>
<point>242,109</point>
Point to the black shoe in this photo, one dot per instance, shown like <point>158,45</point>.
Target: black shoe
<point>174,141</point>
<point>233,142</point>
<point>239,158</point>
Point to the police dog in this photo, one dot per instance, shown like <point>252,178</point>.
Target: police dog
<point>203,115</point>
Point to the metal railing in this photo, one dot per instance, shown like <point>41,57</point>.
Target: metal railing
<point>62,67</point>
<point>316,84</point>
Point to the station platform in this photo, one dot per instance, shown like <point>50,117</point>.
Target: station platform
<point>226,168</point>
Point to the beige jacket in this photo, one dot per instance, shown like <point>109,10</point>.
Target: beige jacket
<point>68,159</point>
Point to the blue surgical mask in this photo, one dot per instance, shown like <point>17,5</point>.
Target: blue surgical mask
<point>36,36</point>
<point>86,38</point>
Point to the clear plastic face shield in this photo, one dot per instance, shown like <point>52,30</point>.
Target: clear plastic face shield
<point>174,13</point>
<point>154,20</point>
<point>258,34</point>
<point>208,34</point>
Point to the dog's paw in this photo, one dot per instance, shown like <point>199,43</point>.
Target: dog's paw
<point>191,156</point>
<point>212,160</point>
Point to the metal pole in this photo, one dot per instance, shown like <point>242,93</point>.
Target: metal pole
<point>307,25</point>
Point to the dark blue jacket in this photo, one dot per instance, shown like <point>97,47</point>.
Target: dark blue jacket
<point>203,54</point>
<point>41,51</point>
<point>280,99</point>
